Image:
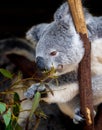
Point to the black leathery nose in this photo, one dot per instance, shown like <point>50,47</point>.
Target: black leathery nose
<point>40,63</point>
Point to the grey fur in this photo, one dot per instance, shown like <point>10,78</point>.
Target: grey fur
<point>61,37</point>
<point>66,96</point>
<point>70,77</point>
<point>36,32</point>
<point>17,46</point>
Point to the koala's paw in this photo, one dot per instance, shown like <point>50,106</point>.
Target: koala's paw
<point>33,89</point>
<point>78,117</point>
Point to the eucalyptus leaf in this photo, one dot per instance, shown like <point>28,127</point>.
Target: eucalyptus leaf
<point>35,103</point>
<point>2,107</point>
<point>9,127</point>
<point>16,106</point>
<point>13,125</point>
<point>6,73</point>
<point>7,117</point>
<point>16,97</point>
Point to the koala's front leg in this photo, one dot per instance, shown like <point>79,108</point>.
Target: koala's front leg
<point>33,89</point>
<point>65,96</point>
<point>61,94</point>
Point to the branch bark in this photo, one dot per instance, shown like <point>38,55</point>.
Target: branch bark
<point>84,74</point>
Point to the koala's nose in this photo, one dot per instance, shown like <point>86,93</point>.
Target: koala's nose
<point>40,63</point>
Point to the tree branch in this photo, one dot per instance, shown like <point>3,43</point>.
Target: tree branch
<point>84,74</point>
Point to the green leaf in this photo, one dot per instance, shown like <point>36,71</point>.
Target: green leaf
<point>2,107</point>
<point>9,127</point>
<point>35,103</point>
<point>6,73</point>
<point>7,117</point>
<point>16,97</point>
<point>16,109</point>
<point>13,125</point>
<point>16,106</point>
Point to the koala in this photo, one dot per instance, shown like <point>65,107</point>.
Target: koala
<point>58,45</point>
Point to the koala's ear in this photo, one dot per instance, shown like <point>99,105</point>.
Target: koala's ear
<point>95,28</point>
<point>61,12</point>
<point>35,33</point>
<point>99,26</point>
<point>92,31</point>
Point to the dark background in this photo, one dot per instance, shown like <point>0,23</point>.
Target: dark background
<point>17,16</point>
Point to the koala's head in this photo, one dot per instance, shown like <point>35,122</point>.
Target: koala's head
<point>58,44</point>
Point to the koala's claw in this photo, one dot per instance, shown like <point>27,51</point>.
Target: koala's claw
<point>33,89</point>
<point>78,117</point>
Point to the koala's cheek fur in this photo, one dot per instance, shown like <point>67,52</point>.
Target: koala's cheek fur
<point>66,69</point>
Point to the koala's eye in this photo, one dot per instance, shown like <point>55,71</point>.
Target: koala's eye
<point>53,53</point>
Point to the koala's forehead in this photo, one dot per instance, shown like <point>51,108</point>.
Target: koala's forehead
<point>54,36</point>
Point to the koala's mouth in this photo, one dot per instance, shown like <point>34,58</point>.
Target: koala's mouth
<point>59,68</point>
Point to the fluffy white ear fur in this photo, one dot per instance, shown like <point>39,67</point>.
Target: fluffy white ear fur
<point>61,12</point>
<point>35,32</point>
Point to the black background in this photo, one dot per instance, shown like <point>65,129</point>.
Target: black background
<point>17,16</point>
